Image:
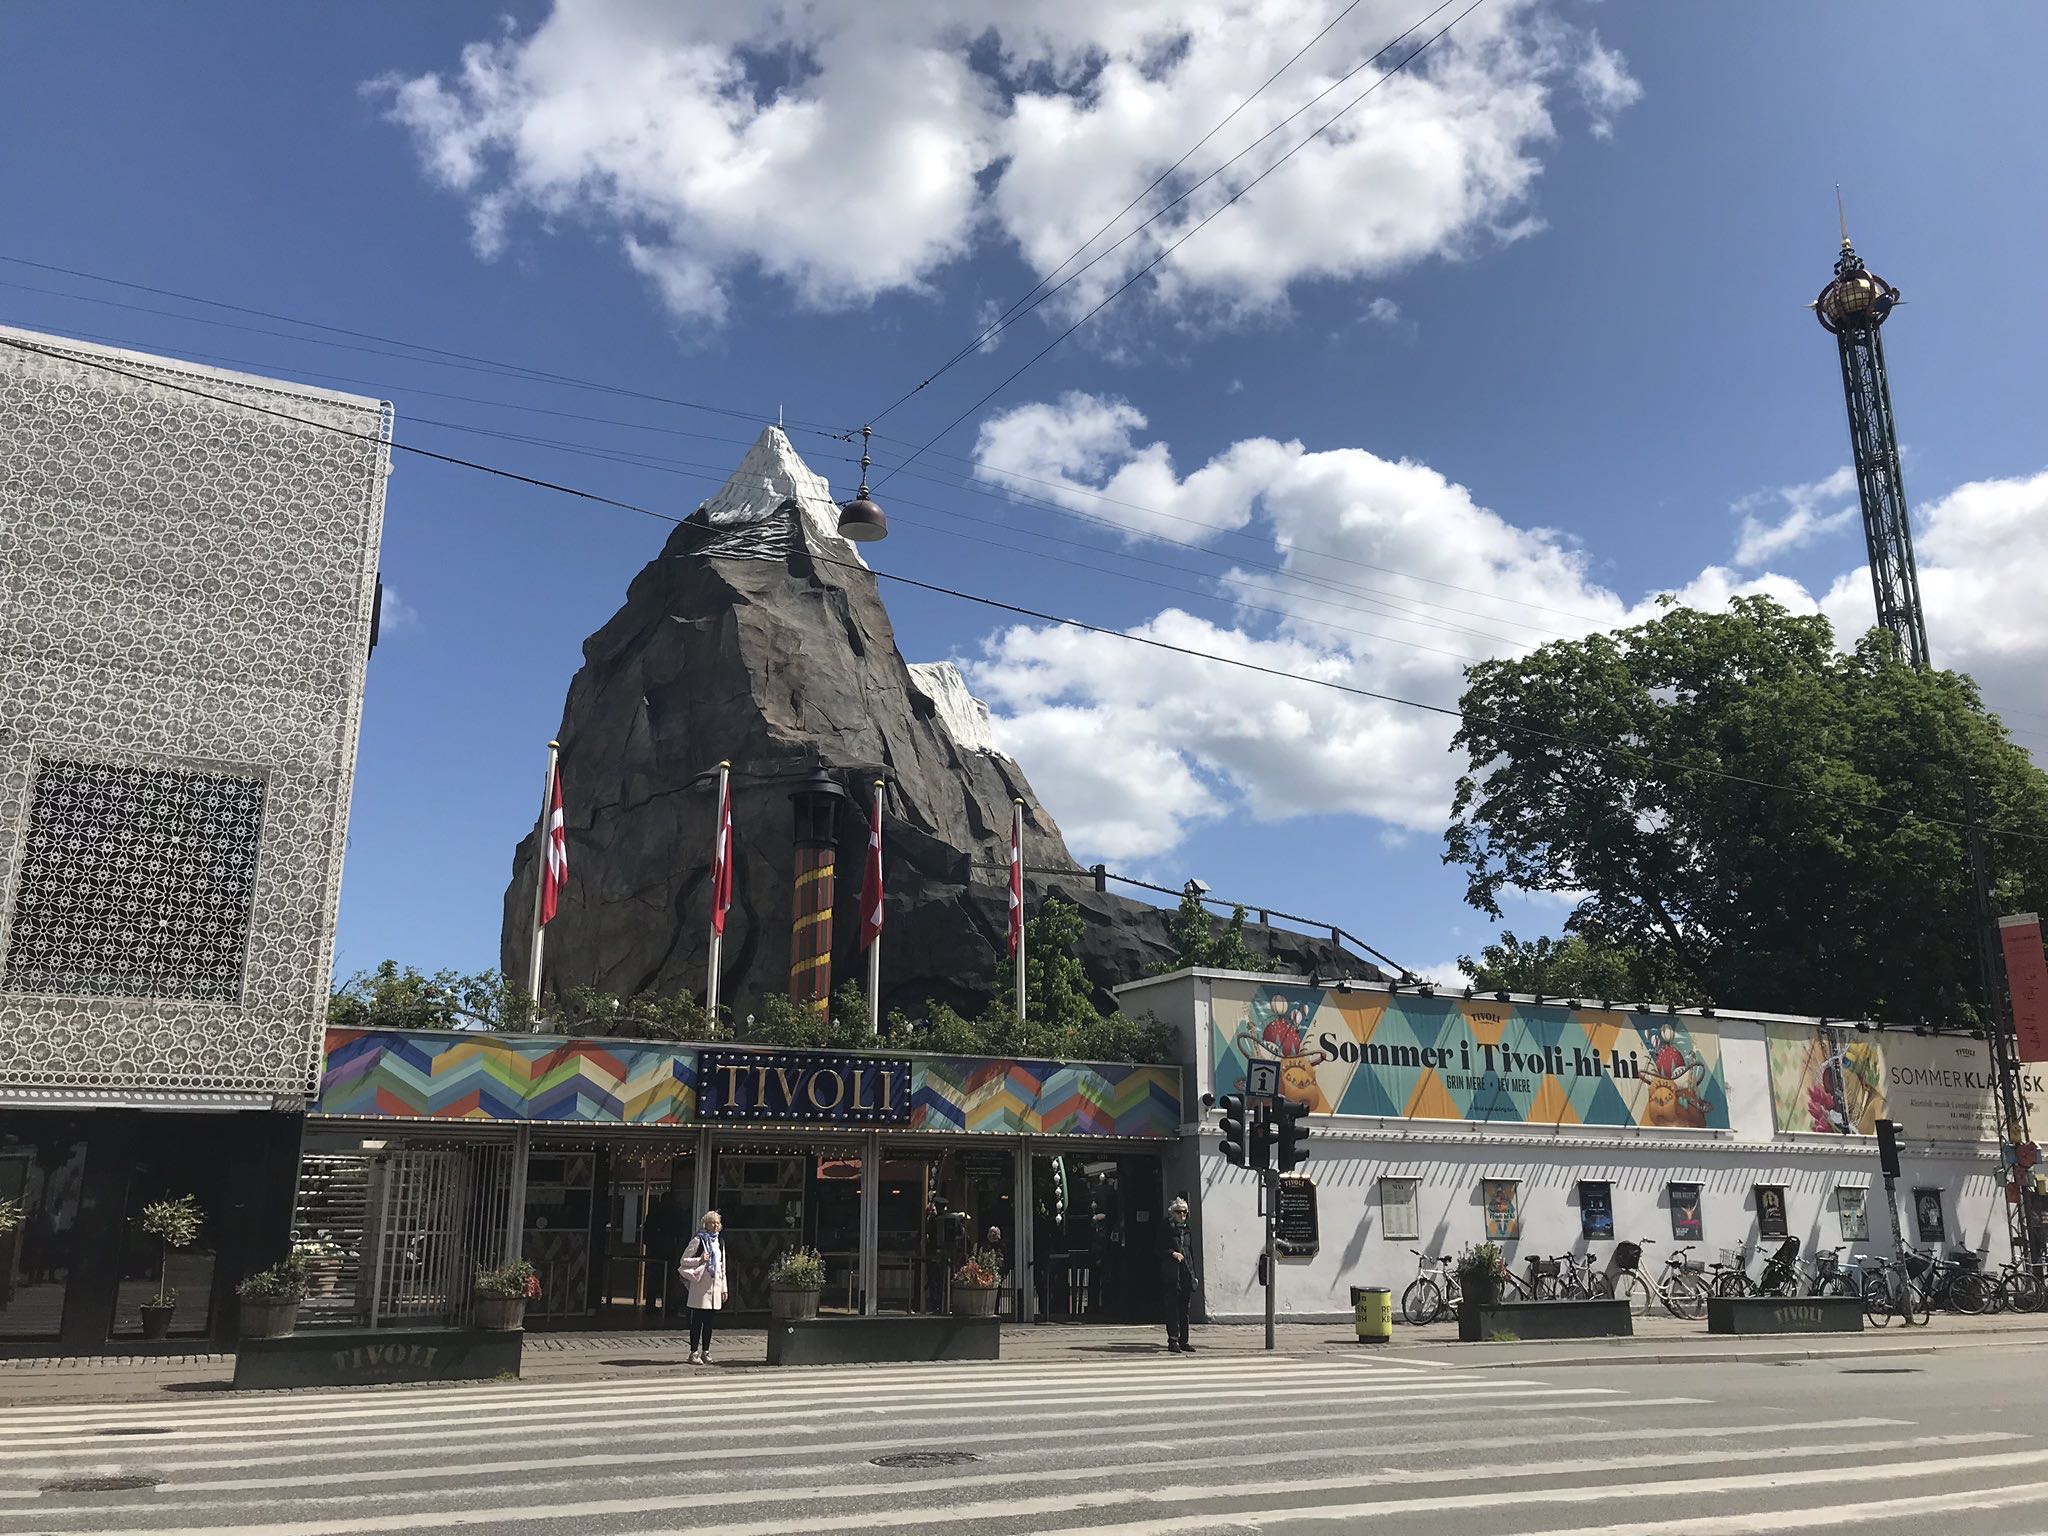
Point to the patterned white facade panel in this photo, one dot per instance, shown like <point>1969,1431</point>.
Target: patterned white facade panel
<point>186,589</point>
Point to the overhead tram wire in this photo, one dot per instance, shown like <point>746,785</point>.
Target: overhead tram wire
<point>1016,309</point>
<point>518,373</point>
<point>1200,224</point>
<point>1628,756</point>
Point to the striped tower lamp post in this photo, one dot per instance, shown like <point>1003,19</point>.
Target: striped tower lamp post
<point>817,843</point>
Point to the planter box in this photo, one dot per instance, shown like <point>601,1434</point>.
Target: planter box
<point>792,1306</point>
<point>1784,1314</point>
<point>869,1340</point>
<point>977,1300</point>
<point>156,1320</point>
<point>499,1313</point>
<point>357,1357</point>
<point>268,1318</point>
<point>1602,1319</point>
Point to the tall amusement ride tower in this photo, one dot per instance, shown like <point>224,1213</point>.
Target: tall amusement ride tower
<point>1853,309</point>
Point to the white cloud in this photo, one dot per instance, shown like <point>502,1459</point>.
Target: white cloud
<point>1383,311</point>
<point>1810,512</point>
<point>395,613</point>
<point>851,151</point>
<point>1391,576</point>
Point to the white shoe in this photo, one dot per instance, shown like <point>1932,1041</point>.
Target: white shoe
<point>693,1357</point>
<point>705,1358</point>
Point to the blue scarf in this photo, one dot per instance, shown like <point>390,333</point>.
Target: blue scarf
<point>707,1244</point>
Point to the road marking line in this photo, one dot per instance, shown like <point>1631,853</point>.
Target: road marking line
<point>1946,1505</point>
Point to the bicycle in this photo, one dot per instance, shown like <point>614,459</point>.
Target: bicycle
<point>1825,1276</point>
<point>1730,1277</point>
<point>1428,1295</point>
<point>1577,1280</point>
<point>1953,1284</point>
<point>1681,1288</point>
<point>2018,1288</point>
<point>1889,1291</point>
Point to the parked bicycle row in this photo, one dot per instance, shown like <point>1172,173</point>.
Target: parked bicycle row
<point>1911,1285</point>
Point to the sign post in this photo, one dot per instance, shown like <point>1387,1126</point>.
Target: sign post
<point>1261,1087</point>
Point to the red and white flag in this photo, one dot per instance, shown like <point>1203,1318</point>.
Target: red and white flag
<point>721,861</point>
<point>554,870</point>
<point>871,881</point>
<point>1016,883</point>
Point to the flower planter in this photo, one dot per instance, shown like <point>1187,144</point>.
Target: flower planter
<point>323,1277</point>
<point>501,1313</point>
<point>976,1300</point>
<point>156,1320</point>
<point>792,1306</point>
<point>269,1317</point>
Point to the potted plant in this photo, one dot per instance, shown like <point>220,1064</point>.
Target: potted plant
<point>794,1284</point>
<point>270,1299</point>
<point>174,1224</point>
<point>1478,1286</point>
<point>321,1259</point>
<point>10,1217</point>
<point>502,1294</point>
<point>977,1284</point>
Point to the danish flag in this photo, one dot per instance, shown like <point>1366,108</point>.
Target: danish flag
<point>555,857</point>
<point>721,863</point>
<point>1016,883</point>
<point>871,882</point>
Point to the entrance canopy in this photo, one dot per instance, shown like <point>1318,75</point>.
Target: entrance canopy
<point>446,1075</point>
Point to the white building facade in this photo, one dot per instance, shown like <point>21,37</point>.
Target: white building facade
<point>1438,1121</point>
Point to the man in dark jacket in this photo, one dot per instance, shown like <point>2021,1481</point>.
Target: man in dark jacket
<point>1179,1275</point>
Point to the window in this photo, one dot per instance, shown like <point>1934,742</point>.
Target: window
<point>1852,1208</point>
<point>135,882</point>
<point>1596,1210</point>
<point>1502,1202</point>
<point>1399,1220</point>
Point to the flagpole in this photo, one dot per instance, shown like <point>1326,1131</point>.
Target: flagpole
<point>875,949</point>
<point>718,851</point>
<point>540,864</point>
<point>1017,842</point>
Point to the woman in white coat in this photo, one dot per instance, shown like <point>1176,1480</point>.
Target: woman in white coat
<point>703,1270</point>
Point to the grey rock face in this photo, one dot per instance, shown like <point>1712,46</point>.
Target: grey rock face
<point>758,637</point>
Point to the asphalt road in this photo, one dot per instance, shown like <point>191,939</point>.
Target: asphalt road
<point>1135,1445</point>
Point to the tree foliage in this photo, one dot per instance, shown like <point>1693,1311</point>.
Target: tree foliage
<point>1196,940</point>
<point>1063,1024</point>
<point>1574,965</point>
<point>1849,898</point>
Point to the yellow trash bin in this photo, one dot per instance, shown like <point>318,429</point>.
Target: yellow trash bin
<point>1372,1309</point>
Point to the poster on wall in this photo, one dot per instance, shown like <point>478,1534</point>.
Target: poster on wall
<point>1686,1226</point>
<point>1407,1056</point>
<point>1398,1214</point>
<point>1927,1215</point>
<point>1828,1081</point>
<point>1770,1211</point>
<point>1503,1204</point>
<point>1852,1206</point>
<point>1596,1210</point>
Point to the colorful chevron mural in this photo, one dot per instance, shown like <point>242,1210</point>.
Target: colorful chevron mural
<point>430,1074</point>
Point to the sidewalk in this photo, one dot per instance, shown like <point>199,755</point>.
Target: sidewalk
<point>586,1357</point>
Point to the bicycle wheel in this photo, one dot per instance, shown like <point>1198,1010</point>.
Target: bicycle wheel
<point>1967,1294</point>
<point>1835,1285</point>
<point>1422,1303</point>
<point>1734,1283</point>
<point>1686,1296</point>
<point>2022,1291</point>
<point>1919,1307</point>
<point>1631,1287</point>
<point>1546,1288</point>
<point>1877,1298</point>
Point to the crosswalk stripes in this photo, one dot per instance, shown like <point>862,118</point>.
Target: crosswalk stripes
<point>1144,1447</point>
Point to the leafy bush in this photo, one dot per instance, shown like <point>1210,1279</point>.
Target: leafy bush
<point>801,1269</point>
<point>515,1279</point>
<point>283,1281</point>
<point>174,1224</point>
<point>10,1216</point>
<point>982,1271</point>
<point>1479,1270</point>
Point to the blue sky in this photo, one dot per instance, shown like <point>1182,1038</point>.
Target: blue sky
<point>1566,275</point>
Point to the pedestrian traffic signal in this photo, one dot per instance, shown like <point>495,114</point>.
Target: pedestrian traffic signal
<point>1293,1128</point>
<point>1233,1148</point>
<point>1888,1148</point>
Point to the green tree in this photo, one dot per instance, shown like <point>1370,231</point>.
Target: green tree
<point>1572,965</point>
<point>1196,941</point>
<point>1058,996</point>
<point>1848,898</point>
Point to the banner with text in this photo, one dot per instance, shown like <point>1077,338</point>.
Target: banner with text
<point>2026,980</point>
<point>1829,1081</point>
<point>1406,1056</point>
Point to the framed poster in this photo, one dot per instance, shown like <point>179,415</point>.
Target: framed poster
<point>1852,1207</point>
<point>1770,1211</point>
<point>1596,1210</point>
<point>1686,1226</point>
<point>1927,1215</point>
<point>1399,1220</point>
<point>1502,1200</point>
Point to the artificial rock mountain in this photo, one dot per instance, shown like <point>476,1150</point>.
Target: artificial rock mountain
<point>758,636</point>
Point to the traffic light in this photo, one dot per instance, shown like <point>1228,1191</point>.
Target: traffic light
<point>1233,1148</point>
<point>1888,1148</point>
<point>1293,1149</point>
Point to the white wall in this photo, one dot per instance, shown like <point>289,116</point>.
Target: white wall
<point>1349,1155</point>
